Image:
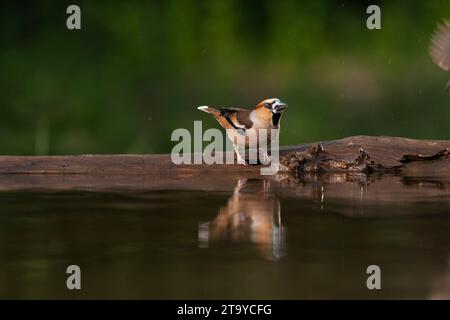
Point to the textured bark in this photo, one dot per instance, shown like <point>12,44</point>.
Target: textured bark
<point>361,154</point>
<point>369,154</point>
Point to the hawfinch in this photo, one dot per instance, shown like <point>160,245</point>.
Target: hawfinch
<point>244,127</point>
<point>440,47</point>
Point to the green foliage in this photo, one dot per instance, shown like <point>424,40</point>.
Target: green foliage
<point>137,70</point>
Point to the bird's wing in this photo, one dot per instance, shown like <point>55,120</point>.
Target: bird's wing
<point>440,46</point>
<point>238,118</point>
<point>231,109</point>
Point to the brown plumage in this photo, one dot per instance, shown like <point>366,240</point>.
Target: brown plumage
<point>440,47</point>
<point>242,124</point>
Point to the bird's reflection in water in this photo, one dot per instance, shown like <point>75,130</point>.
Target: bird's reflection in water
<point>252,214</point>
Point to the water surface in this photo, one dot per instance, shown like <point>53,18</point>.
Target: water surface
<point>280,237</point>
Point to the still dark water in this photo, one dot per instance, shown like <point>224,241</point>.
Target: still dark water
<point>283,238</point>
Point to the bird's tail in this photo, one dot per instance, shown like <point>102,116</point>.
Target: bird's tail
<point>217,115</point>
<point>214,112</point>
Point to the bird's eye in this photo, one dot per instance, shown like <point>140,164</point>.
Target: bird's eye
<point>267,105</point>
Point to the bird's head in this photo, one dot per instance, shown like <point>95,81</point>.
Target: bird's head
<point>274,105</point>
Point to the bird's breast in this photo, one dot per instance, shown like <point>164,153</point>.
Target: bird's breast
<point>261,128</point>
<point>253,137</point>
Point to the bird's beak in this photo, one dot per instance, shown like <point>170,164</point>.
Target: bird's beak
<point>278,107</point>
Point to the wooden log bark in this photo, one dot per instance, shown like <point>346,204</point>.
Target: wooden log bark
<point>360,154</point>
<point>368,154</point>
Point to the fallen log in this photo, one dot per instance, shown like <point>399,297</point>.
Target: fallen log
<point>366,154</point>
<point>353,155</point>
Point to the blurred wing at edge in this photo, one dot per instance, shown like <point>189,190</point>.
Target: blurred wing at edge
<point>440,45</point>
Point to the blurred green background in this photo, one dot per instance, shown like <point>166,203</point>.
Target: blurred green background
<point>137,70</point>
